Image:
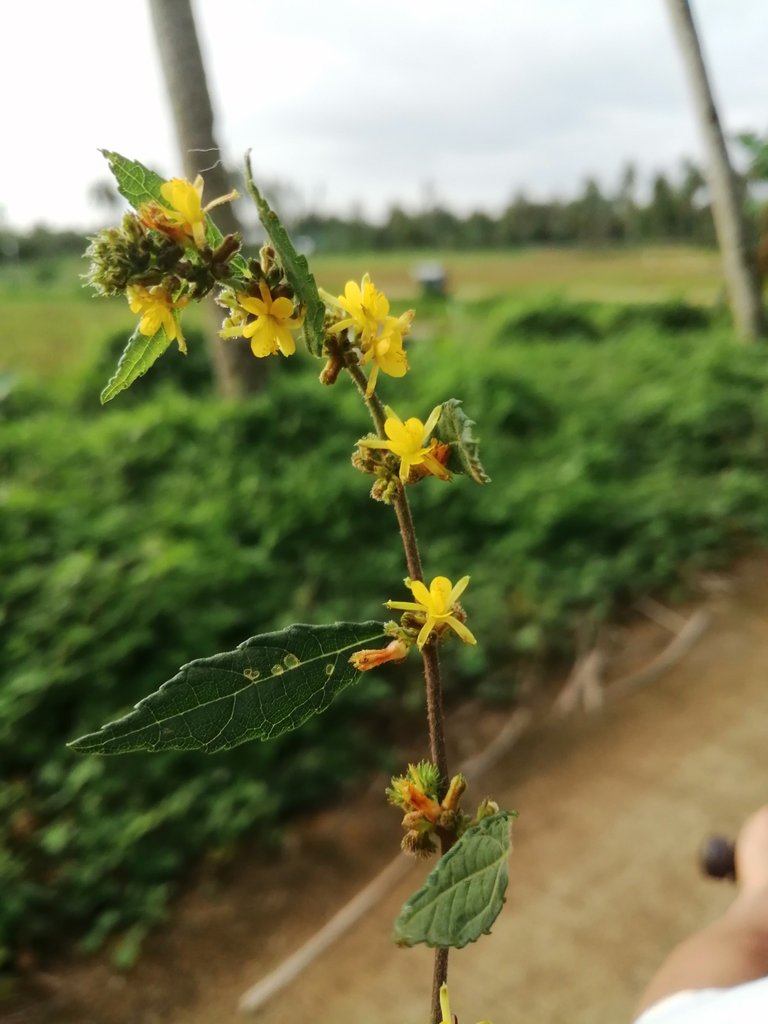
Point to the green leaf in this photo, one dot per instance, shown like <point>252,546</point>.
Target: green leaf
<point>267,686</point>
<point>135,181</point>
<point>295,266</point>
<point>456,429</point>
<point>138,184</point>
<point>138,355</point>
<point>464,894</point>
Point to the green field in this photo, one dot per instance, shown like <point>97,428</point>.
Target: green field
<point>51,326</point>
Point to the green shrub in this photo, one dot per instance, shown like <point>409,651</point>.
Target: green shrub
<point>556,320</point>
<point>172,528</point>
<point>662,316</point>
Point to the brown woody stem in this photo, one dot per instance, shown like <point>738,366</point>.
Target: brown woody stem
<point>429,654</point>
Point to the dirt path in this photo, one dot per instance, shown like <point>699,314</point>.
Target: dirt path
<point>603,877</point>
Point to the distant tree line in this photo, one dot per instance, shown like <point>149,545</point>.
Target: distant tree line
<point>674,209</point>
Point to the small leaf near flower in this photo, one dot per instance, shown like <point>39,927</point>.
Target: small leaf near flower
<point>457,430</point>
<point>464,893</point>
<point>139,354</point>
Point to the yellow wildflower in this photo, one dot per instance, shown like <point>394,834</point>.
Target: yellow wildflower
<point>186,217</point>
<point>270,332</point>
<point>445,1007</point>
<point>367,307</point>
<point>409,442</point>
<point>380,335</point>
<point>157,310</point>
<point>386,350</point>
<point>437,605</point>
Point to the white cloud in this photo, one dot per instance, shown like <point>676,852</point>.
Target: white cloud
<point>368,101</point>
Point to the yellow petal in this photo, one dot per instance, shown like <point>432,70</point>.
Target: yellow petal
<point>284,340</point>
<point>435,468</point>
<point>405,606</point>
<point>424,632</point>
<point>281,308</point>
<point>342,325</point>
<point>375,444</point>
<point>459,589</point>
<point>252,305</point>
<point>371,380</point>
<point>420,592</point>
<point>431,423</point>
<point>262,338</point>
<point>414,430</point>
<point>462,630</point>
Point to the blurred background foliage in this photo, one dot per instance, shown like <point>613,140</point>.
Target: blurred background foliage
<point>627,443</point>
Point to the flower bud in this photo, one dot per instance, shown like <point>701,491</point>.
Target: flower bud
<point>418,844</point>
<point>364,661</point>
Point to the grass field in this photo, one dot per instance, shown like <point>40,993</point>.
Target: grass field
<point>51,326</point>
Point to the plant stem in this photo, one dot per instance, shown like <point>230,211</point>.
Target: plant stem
<point>439,978</point>
<point>429,654</point>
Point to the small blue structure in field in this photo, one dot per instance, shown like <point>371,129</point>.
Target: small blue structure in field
<point>432,277</point>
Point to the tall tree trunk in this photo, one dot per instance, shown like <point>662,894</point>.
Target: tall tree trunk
<point>727,201</point>
<point>237,372</point>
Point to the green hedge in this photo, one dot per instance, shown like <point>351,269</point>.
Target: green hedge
<point>136,538</point>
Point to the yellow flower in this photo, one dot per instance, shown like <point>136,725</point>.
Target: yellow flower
<point>437,605</point>
<point>157,310</point>
<point>386,350</point>
<point>367,307</point>
<point>445,1007</point>
<point>186,216</point>
<point>380,335</point>
<point>409,442</point>
<point>270,332</point>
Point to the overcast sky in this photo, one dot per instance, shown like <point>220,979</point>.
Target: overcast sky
<point>371,103</point>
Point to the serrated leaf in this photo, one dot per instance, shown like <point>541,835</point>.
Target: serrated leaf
<point>268,685</point>
<point>138,355</point>
<point>138,184</point>
<point>456,429</point>
<point>295,266</point>
<point>135,182</point>
<point>464,894</point>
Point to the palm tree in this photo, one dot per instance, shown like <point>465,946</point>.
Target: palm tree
<point>237,372</point>
<point>727,206</point>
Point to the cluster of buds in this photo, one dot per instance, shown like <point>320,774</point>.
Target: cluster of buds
<point>428,817</point>
<point>162,257</point>
<point>130,255</point>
